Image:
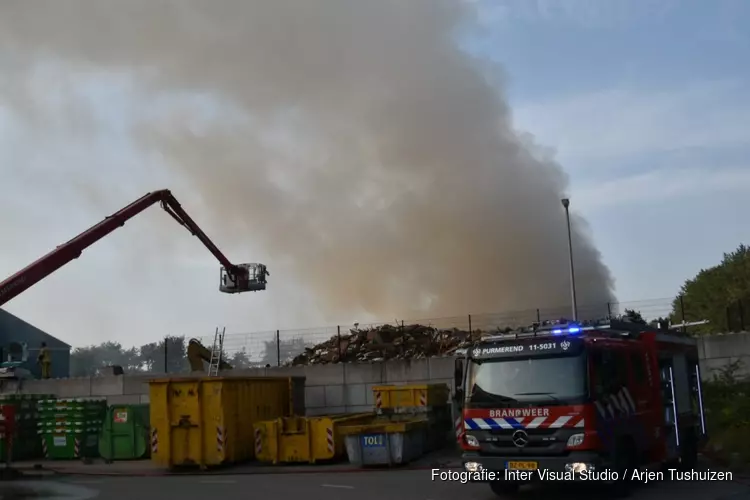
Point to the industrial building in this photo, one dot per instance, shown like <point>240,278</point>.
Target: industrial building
<point>14,330</point>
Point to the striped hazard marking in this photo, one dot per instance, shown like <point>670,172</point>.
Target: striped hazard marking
<point>154,441</point>
<point>378,399</point>
<point>221,439</point>
<point>329,440</point>
<point>422,398</point>
<point>574,421</point>
<point>614,405</point>
<point>258,442</point>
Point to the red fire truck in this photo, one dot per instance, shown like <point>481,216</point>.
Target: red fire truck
<point>586,401</point>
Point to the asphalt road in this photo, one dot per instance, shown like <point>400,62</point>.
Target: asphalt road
<point>393,485</point>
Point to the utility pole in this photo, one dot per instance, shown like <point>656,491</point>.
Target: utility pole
<point>566,205</point>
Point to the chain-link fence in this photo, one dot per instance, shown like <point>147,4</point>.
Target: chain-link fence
<point>277,347</point>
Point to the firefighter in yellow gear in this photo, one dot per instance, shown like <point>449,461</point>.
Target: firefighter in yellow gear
<point>45,360</point>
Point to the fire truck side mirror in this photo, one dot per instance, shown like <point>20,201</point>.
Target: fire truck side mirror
<point>458,375</point>
<point>458,398</point>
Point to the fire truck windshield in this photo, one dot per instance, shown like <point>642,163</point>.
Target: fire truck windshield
<point>543,380</point>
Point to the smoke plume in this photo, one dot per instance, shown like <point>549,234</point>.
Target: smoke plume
<point>353,139</point>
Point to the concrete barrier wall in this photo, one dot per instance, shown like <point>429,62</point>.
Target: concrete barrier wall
<point>718,351</point>
<point>343,388</point>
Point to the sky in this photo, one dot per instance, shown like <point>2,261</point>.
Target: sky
<point>644,104</point>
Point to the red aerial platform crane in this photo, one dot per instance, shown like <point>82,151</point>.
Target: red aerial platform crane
<point>234,278</point>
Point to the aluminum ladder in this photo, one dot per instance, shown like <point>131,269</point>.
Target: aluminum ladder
<point>216,352</point>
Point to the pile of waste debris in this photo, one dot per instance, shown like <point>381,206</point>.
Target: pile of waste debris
<point>388,342</point>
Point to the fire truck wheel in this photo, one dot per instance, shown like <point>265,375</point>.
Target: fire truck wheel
<point>625,459</point>
<point>503,488</point>
<point>689,452</point>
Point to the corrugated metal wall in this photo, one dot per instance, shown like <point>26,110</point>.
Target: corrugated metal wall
<point>14,329</point>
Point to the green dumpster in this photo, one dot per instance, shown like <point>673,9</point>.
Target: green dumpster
<point>69,428</point>
<point>68,444</point>
<point>125,434</point>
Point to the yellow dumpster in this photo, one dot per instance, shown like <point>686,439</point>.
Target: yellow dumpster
<point>209,421</point>
<point>397,397</point>
<point>304,439</point>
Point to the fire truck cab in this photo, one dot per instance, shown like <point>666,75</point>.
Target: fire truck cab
<point>584,401</point>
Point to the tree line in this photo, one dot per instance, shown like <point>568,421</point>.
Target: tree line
<point>719,295</point>
<point>169,355</point>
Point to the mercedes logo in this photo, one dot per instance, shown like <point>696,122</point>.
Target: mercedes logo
<point>520,438</point>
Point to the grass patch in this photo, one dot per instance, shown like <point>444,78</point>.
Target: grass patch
<point>727,405</point>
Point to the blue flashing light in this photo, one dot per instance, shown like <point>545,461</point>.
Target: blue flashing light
<point>565,331</point>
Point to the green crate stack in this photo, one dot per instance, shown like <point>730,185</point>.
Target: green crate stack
<point>69,428</point>
<point>26,446</point>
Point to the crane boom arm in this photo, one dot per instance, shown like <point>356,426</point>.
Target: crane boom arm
<point>71,250</point>
<point>170,205</point>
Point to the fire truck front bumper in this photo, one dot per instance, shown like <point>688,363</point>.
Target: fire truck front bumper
<point>575,466</point>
